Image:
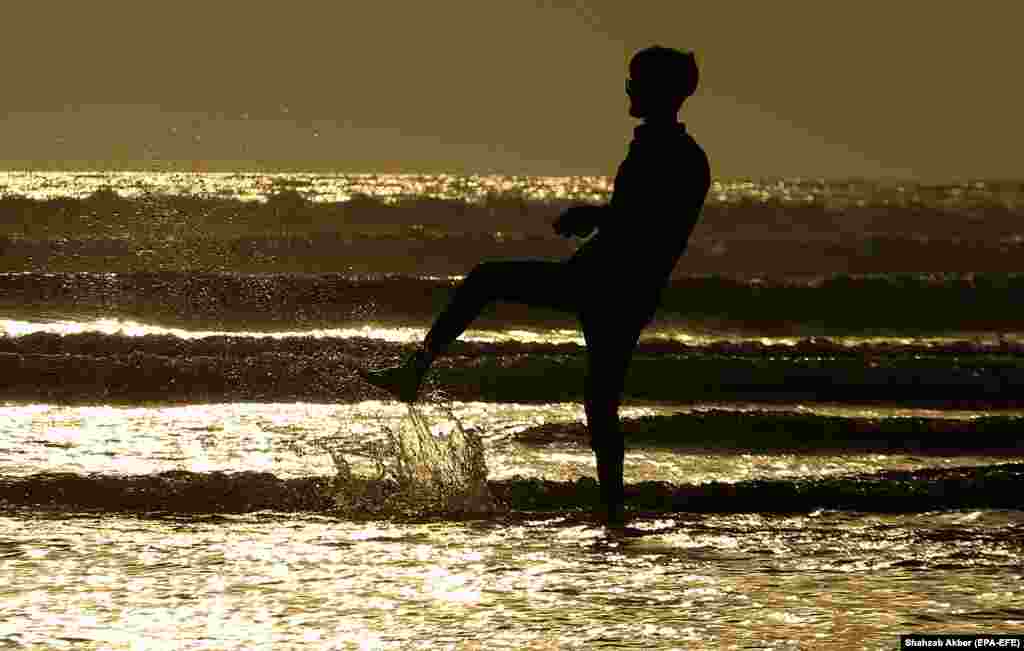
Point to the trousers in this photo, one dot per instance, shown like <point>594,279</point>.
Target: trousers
<point>611,325</point>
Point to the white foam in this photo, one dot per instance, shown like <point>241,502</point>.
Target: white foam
<point>427,462</point>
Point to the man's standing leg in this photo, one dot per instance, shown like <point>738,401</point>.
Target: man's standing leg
<point>609,351</point>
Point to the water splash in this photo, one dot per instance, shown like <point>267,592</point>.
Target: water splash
<point>424,465</point>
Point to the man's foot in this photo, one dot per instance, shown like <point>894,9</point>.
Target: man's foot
<point>402,381</point>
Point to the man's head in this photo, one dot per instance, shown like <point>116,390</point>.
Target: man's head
<point>660,79</point>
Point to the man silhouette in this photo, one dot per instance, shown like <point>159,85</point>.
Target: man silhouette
<point>613,282</point>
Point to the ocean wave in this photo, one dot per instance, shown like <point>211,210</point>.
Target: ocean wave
<point>885,491</point>
<point>996,486</point>
<point>732,431</point>
<point>812,305</point>
<point>112,368</point>
<point>744,228</point>
<point>120,339</point>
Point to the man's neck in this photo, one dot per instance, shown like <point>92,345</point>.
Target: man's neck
<point>661,121</point>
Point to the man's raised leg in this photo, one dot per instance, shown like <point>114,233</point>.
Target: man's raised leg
<point>543,283</point>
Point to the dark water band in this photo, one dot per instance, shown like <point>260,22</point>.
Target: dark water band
<point>991,487</point>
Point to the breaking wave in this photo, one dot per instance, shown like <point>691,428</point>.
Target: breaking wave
<point>817,305</point>
<point>445,224</point>
<point>995,486</point>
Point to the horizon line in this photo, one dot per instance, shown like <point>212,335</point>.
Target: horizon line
<point>283,169</point>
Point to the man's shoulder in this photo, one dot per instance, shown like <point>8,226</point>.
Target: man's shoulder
<point>671,160</point>
<point>691,159</point>
<point>684,157</point>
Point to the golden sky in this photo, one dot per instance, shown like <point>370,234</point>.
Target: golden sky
<point>926,90</point>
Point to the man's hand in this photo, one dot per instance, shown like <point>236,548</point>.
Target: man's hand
<point>578,220</point>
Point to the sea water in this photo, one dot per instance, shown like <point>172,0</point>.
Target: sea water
<point>187,459</point>
<point>423,465</point>
<point>108,578</point>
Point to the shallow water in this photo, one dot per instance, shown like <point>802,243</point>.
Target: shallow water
<point>271,581</point>
<point>156,271</point>
<point>515,581</point>
<point>292,440</point>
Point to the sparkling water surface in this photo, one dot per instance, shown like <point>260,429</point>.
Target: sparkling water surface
<point>271,581</point>
<point>520,580</point>
<point>12,327</point>
<point>292,439</point>
<point>514,581</point>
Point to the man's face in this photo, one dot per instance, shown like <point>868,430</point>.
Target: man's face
<point>647,99</point>
<point>637,108</point>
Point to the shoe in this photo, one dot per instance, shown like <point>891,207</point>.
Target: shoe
<point>402,381</point>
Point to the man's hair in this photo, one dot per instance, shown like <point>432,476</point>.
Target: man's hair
<point>673,72</point>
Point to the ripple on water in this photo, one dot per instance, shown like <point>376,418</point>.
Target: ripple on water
<point>273,581</point>
<point>292,441</point>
